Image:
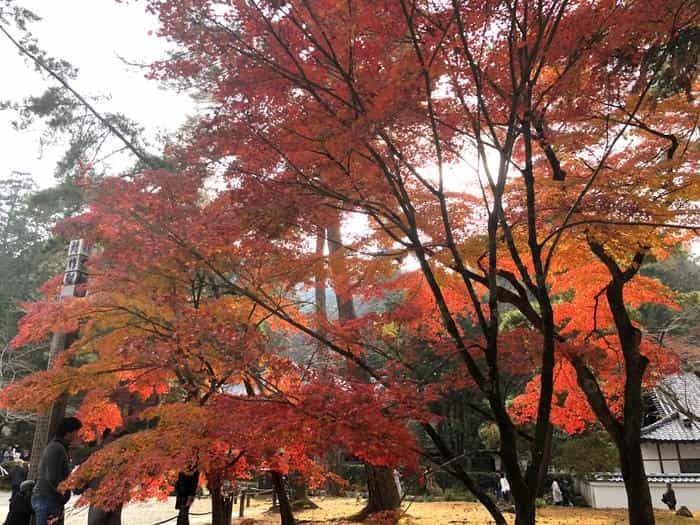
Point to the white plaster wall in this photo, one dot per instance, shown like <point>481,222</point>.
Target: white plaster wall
<point>687,494</point>
<point>586,490</point>
<point>669,454</point>
<point>651,458</point>
<point>612,495</point>
<point>606,495</point>
<point>690,450</point>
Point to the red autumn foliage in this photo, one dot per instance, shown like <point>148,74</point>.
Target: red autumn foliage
<point>520,156</point>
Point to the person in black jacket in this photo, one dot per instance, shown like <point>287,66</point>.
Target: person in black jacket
<point>669,497</point>
<point>96,514</point>
<point>185,491</point>
<point>21,505</point>
<point>17,475</point>
<point>54,467</point>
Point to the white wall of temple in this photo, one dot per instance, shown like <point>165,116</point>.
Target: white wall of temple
<point>663,457</point>
<point>612,495</point>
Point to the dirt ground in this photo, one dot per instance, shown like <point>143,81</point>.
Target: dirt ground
<point>333,510</point>
<point>454,513</point>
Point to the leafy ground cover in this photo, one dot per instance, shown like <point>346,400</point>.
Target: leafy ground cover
<point>333,510</point>
<point>454,513</point>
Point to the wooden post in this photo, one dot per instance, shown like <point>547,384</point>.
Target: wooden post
<point>74,275</point>
<point>247,500</point>
<point>241,507</point>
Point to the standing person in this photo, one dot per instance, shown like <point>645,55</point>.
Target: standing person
<point>669,497</point>
<point>54,467</point>
<point>505,488</point>
<point>185,491</point>
<point>566,493</point>
<point>397,481</point>
<point>17,475</point>
<point>98,515</point>
<point>21,505</point>
<point>556,493</point>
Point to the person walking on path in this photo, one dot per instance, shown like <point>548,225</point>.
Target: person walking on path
<point>54,467</point>
<point>21,505</point>
<point>669,497</point>
<point>97,515</point>
<point>505,488</point>
<point>185,491</point>
<point>556,493</point>
<point>17,475</point>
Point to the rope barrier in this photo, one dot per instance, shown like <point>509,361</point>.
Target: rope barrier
<point>164,521</point>
<point>175,517</point>
<point>247,492</point>
<point>252,491</point>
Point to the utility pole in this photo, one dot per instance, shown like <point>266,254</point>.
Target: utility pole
<point>74,276</point>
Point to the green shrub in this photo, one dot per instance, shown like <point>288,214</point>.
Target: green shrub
<point>580,501</point>
<point>455,494</point>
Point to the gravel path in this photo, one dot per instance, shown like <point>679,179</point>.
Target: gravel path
<point>148,513</point>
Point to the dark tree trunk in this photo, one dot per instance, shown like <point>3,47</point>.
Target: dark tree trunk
<point>625,433</point>
<point>640,509</point>
<point>300,494</point>
<point>221,506</point>
<point>545,459</point>
<point>480,495</point>
<point>382,493</point>
<point>334,461</point>
<point>626,437</point>
<point>299,488</point>
<point>458,472</point>
<point>286,514</point>
<point>336,257</point>
<point>524,511</point>
<point>522,494</point>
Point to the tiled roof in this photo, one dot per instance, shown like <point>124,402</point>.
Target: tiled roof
<point>676,396</point>
<point>653,478</point>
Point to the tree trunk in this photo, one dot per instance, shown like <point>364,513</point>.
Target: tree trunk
<point>640,509</point>
<point>626,437</point>
<point>626,433</point>
<point>382,493</point>
<point>300,493</point>
<point>457,471</point>
<point>286,514</point>
<point>319,277</point>
<point>481,496</point>
<point>221,506</point>
<point>334,462</point>
<point>639,506</point>
<point>524,508</point>
<point>542,474</point>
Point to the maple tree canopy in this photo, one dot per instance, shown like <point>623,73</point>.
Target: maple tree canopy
<point>478,155</point>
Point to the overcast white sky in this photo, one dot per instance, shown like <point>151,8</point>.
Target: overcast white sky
<point>90,34</point>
